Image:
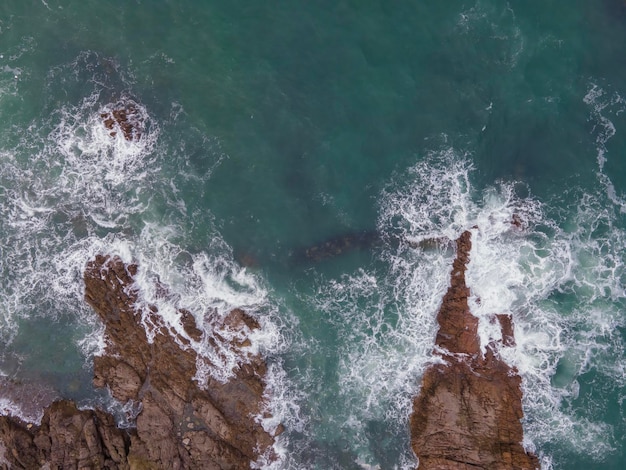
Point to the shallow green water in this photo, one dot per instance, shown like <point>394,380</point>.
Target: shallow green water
<point>279,125</point>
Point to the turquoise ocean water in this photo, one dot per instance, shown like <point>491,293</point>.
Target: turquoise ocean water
<point>274,126</point>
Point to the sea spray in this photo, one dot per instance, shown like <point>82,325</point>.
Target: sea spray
<point>524,263</point>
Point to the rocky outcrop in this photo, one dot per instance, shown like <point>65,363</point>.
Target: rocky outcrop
<point>67,438</point>
<point>468,412</point>
<point>178,423</point>
<point>124,117</point>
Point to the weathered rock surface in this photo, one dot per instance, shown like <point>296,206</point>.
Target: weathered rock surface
<point>67,438</point>
<point>179,424</point>
<point>468,412</point>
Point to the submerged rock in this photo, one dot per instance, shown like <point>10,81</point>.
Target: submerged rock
<point>179,424</point>
<point>468,411</point>
<point>339,245</point>
<point>364,240</point>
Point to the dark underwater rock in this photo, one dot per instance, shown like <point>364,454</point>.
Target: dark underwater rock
<point>364,240</point>
<point>341,244</point>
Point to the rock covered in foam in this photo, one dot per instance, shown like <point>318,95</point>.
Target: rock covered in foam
<point>179,424</point>
<point>124,117</point>
<point>468,411</point>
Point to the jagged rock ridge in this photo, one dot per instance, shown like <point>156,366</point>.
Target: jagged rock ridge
<point>468,412</point>
<point>179,425</point>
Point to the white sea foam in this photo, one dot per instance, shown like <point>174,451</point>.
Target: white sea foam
<point>209,284</point>
<point>10,408</point>
<point>104,171</point>
<point>283,407</point>
<point>605,105</point>
<point>522,270</point>
<point>385,318</point>
<point>57,189</point>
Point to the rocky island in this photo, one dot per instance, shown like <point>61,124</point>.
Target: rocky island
<point>178,423</point>
<point>467,414</point>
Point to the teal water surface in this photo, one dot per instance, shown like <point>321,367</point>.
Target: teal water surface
<point>279,125</point>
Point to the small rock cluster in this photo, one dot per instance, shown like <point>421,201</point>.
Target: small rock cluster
<point>124,117</point>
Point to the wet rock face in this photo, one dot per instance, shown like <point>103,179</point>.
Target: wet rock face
<point>124,117</point>
<point>468,412</point>
<point>457,326</point>
<point>179,424</point>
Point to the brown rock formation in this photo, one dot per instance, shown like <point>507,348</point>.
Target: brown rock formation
<point>468,412</point>
<point>67,438</point>
<point>179,425</point>
<point>125,117</point>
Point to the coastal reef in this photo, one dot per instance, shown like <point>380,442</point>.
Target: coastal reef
<point>468,412</point>
<point>176,422</point>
